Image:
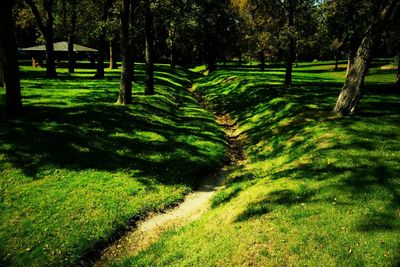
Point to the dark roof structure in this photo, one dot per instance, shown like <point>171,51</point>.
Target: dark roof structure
<point>60,47</point>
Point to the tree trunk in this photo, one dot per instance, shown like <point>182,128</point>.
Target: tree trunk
<point>240,58</point>
<point>262,60</point>
<point>113,57</point>
<point>50,56</point>
<point>149,79</point>
<point>291,47</point>
<point>71,39</point>
<point>352,90</point>
<point>71,54</point>
<point>8,58</point>
<point>125,88</point>
<point>336,62</point>
<point>398,74</point>
<point>350,61</point>
<point>102,41</point>
<point>172,59</point>
<point>49,36</point>
<point>100,58</point>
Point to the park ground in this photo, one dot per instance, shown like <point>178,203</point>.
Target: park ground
<point>314,189</point>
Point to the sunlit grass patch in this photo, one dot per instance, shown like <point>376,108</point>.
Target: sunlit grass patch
<point>319,190</point>
<point>76,167</point>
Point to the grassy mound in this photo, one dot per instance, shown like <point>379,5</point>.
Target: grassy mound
<point>76,167</point>
<point>315,190</point>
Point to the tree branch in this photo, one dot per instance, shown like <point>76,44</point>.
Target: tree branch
<point>36,13</point>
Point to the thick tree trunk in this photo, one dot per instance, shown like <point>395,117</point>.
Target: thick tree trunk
<point>262,60</point>
<point>113,57</point>
<point>352,90</point>
<point>8,58</point>
<point>125,88</point>
<point>149,79</point>
<point>291,46</point>
<point>50,56</point>
<point>211,66</point>
<point>350,61</point>
<point>100,58</point>
<point>71,40</point>
<point>49,36</point>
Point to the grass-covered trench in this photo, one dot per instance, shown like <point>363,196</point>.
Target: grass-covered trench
<point>315,190</point>
<point>75,167</point>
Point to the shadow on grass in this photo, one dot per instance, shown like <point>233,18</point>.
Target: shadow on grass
<point>295,125</point>
<point>70,122</point>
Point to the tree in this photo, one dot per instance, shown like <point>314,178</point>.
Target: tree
<point>71,38</point>
<point>149,79</point>
<point>106,5</point>
<point>352,90</point>
<point>127,72</point>
<point>45,24</point>
<point>8,59</point>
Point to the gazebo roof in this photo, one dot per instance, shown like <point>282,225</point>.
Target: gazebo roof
<point>60,47</point>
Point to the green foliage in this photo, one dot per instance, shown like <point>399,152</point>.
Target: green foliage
<point>324,190</point>
<point>75,167</point>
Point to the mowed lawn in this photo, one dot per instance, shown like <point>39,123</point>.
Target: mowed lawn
<point>316,190</point>
<point>75,168</point>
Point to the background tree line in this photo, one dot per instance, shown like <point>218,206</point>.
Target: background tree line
<point>183,32</point>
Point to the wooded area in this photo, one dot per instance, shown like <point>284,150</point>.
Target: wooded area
<point>285,111</point>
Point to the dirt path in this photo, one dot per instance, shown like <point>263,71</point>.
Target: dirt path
<point>192,208</point>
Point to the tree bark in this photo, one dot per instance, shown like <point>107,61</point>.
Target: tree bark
<point>113,57</point>
<point>350,61</point>
<point>71,39</point>
<point>127,72</point>
<point>352,90</point>
<point>149,79</point>
<point>8,58</point>
<point>291,46</point>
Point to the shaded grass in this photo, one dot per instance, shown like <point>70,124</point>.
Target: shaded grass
<point>75,167</point>
<point>321,190</point>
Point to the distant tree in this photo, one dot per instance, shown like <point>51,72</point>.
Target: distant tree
<point>45,24</point>
<point>8,58</point>
<point>71,38</point>
<point>149,48</point>
<point>352,90</point>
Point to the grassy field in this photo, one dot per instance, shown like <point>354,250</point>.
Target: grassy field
<point>75,168</point>
<point>315,190</point>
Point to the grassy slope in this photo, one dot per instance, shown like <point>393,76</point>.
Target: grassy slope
<point>316,190</point>
<point>75,167</point>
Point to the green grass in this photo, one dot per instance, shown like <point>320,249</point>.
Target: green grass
<point>316,189</point>
<point>75,168</point>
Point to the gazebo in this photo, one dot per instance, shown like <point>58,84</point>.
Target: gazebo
<point>60,47</point>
